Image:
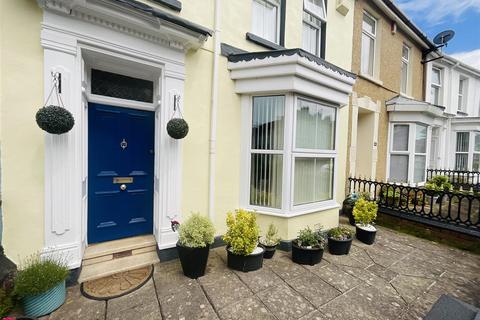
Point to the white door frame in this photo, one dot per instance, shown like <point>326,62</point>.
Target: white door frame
<point>66,42</point>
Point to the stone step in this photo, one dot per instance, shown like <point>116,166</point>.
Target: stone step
<point>108,248</point>
<point>106,268</point>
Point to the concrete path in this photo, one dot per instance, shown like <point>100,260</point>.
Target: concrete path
<point>399,277</point>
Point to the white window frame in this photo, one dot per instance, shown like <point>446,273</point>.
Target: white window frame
<point>372,36</point>
<point>289,152</point>
<point>316,11</point>
<point>468,152</point>
<point>407,62</point>
<point>462,94</point>
<point>318,48</point>
<point>437,86</point>
<point>475,152</point>
<point>411,153</point>
<point>275,3</point>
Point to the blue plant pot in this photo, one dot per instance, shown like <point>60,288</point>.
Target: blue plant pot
<point>44,303</point>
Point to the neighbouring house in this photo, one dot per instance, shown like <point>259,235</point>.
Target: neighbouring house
<point>387,56</point>
<point>263,84</point>
<point>455,137</point>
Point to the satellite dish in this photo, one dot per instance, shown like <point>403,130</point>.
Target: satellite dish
<point>443,37</point>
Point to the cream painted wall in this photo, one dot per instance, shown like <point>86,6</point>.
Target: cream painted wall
<point>22,141</point>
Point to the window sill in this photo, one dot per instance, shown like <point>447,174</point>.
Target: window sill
<point>371,79</point>
<point>263,42</point>
<point>407,96</point>
<point>331,205</point>
<point>462,113</point>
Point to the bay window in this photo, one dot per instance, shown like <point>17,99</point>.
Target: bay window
<point>476,153</point>
<point>292,154</point>
<point>265,19</point>
<point>436,87</point>
<point>314,19</point>
<point>408,152</point>
<point>369,37</point>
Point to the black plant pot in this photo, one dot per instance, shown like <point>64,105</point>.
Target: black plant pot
<point>347,210</point>
<point>339,247</point>
<point>248,263</point>
<point>193,260</point>
<point>269,251</point>
<point>365,236</point>
<point>310,256</point>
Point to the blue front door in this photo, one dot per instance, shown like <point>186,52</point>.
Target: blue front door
<point>120,172</point>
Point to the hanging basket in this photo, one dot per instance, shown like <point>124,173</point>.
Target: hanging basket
<point>177,128</point>
<point>55,119</point>
<point>51,118</point>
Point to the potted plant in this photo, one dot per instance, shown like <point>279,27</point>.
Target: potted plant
<point>436,186</point>
<point>365,213</point>
<point>270,241</point>
<point>40,284</point>
<point>243,252</point>
<point>308,247</point>
<point>347,206</point>
<point>339,240</point>
<point>195,236</point>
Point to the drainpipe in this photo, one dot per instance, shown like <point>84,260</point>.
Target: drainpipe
<point>213,114</point>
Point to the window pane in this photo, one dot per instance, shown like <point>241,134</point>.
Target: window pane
<point>400,137</point>
<point>264,20</point>
<point>120,86</point>
<point>434,148</point>
<point>368,24</point>
<point>267,122</point>
<point>310,38</point>
<point>398,168</point>
<point>368,49</point>
<point>421,139</point>
<point>461,161</point>
<point>313,180</point>
<point>315,127</point>
<point>436,76</point>
<point>315,7</point>
<point>266,180</point>
<point>404,77</point>
<point>462,141</point>
<point>435,95</point>
<point>477,142</point>
<point>460,86</point>
<point>405,53</point>
<point>476,162</point>
<point>419,169</point>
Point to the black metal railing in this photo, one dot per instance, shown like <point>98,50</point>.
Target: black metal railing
<point>465,180</point>
<point>455,210</point>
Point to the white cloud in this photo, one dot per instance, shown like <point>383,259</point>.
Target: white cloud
<point>437,11</point>
<point>471,58</point>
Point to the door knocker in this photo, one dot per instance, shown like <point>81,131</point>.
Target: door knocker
<point>124,144</point>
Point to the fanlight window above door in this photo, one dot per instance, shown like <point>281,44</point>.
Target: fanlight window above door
<point>119,86</point>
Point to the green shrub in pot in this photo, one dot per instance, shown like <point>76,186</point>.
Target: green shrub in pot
<point>365,213</point>
<point>40,284</point>
<point>243,252</point>
<point>308,247</point>
<point>270,241</point>
<point>196,235</point>
<point>340,240</point>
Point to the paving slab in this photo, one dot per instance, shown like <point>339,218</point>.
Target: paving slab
<point>364,302</point>
<point>285,268</point>
<point>314,289</point>
<point>259,280</point>
<point>224,289</point>
<point>409,288</point>
<point>336,277</point>
<point>141,304</point>
<point>382,272</point>
<point>285,303</point>
<point>189,303</point>
<point>250,308</point>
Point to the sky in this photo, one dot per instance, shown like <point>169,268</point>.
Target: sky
<point>462,16</point>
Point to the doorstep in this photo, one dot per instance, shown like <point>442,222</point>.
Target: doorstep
<point>107,258</point>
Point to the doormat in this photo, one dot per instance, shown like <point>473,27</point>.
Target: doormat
<point>117,285</point>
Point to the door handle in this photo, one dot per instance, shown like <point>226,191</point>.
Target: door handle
<point>123,187</point>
